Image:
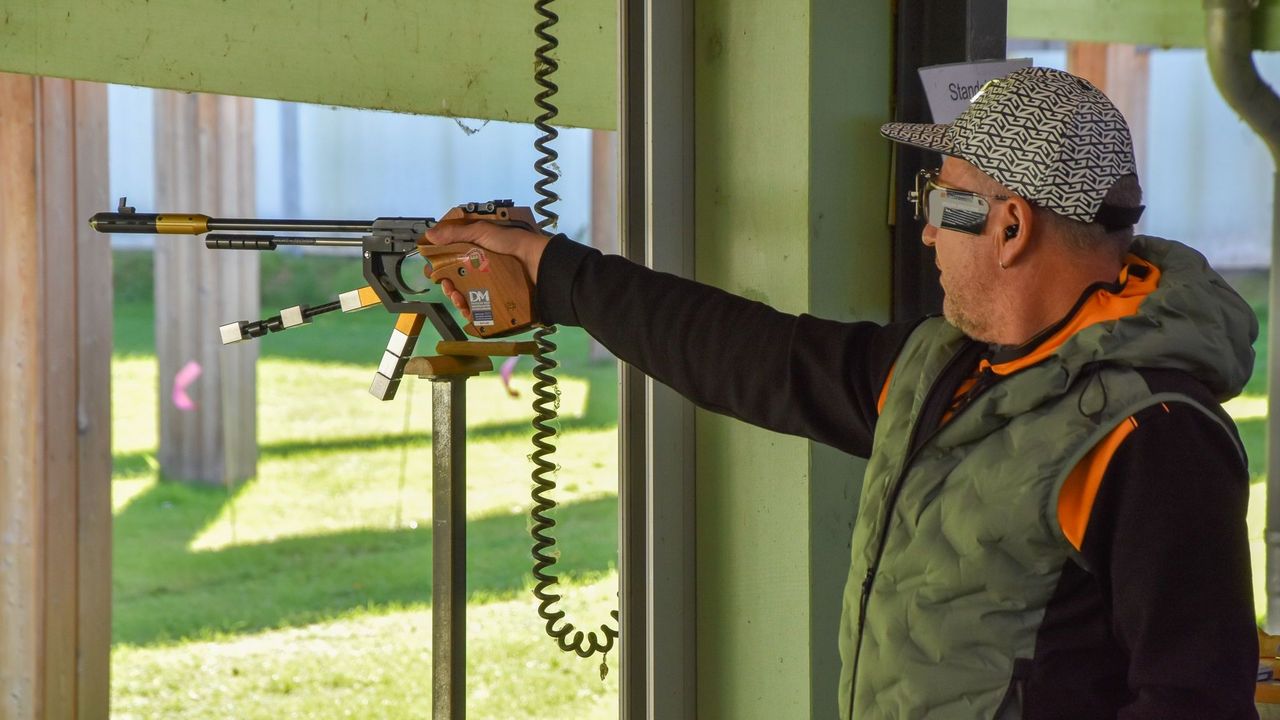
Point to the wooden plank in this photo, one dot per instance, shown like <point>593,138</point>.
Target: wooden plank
<point>93,329</point>
<point>174,115</point>
<point>239,389</point>
<point>55,467</point>
<point>21,407</point>
<point>56,241</point>
<point>204,163</point>
<point>438,57</point>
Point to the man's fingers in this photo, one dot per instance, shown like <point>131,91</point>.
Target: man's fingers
<point>522,244</point>
<point>456,297</point>
<point>460,303</point>
<point>450,233</point>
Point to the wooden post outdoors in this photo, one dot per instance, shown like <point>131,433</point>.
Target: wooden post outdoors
<point>204,164</point>
<point>1123,73</point>
<point>604,206</point>
<point>55,403</point>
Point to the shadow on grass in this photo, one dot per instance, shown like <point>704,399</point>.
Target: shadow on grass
<point>165,592</point>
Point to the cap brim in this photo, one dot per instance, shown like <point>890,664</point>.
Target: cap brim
<point>922,135</point>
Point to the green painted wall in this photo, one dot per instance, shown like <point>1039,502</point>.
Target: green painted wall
<point>791,197</point>
<point>435,57</point>
<point>1163,23</point>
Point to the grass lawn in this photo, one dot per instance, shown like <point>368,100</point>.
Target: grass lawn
<point>306,591</point>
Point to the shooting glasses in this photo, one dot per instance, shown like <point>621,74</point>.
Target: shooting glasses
<point>950,208</point>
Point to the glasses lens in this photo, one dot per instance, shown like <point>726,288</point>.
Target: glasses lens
<point>934,198</point>
<point>957,210</point>
<point>948,208</point>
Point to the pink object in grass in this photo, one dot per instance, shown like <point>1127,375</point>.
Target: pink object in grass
<point>505,372</point>
<point>183,380</point>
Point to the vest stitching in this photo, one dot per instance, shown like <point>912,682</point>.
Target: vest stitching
<point>915,443</point>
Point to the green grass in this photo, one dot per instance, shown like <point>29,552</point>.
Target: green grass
<point>306,591</point>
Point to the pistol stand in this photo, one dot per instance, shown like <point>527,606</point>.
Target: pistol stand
<point>448,373</point>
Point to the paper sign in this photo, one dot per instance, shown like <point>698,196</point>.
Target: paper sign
<point>951,87</point>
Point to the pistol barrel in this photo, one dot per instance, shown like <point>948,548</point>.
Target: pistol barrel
<point>194,224</point>
<point>150,223</point>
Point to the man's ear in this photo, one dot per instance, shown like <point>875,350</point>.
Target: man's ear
<point>1014,225</point>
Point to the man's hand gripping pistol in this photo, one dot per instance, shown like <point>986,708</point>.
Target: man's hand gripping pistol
<point>496,286</point>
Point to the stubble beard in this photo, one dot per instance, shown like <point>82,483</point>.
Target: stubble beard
<point>962,315</point>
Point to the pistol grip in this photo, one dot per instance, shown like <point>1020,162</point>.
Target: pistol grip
<point>495,285</point>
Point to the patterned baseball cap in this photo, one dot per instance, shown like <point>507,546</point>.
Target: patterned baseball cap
<point>1047,135</point>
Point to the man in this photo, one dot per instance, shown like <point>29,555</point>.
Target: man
<point>1052,518</point>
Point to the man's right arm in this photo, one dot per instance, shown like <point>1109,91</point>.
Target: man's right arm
<point>799,375</point>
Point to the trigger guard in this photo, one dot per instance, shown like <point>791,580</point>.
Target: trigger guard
<point>397,276</point>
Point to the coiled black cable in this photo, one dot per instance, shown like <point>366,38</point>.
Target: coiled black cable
<point>543,67</point>
<point>546,395</point>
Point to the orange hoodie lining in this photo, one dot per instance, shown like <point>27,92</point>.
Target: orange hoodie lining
<point>1100,307</point>
<point>1075,500</point>
<point>884,390</point>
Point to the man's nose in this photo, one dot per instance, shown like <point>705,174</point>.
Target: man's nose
<point>929,235</point>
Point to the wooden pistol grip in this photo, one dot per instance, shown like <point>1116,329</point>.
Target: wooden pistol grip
<point>495,285</point>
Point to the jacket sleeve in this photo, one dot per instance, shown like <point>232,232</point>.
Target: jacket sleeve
<point>1168,536</point>
<point>799,375</point>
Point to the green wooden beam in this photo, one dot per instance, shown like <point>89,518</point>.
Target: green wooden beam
<point>436,57</point>
<point>1162,23</point>
<point>792,206</point>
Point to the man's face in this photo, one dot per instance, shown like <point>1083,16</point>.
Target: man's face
<point>967,261</point>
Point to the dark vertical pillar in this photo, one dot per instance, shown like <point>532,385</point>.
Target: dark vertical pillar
<point>930,32</point>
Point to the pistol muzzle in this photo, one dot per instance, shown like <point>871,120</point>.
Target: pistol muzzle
<point>150,223</point>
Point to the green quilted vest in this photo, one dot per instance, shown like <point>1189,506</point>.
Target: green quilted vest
<point>963,535</point>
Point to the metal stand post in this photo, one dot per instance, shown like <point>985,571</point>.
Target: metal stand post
<point>448,374</point>
<point>449,548</point>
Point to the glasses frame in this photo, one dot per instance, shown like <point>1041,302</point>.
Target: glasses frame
<point>949,208</point>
